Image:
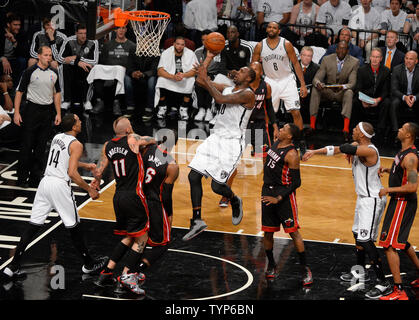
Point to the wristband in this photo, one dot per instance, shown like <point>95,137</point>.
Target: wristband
<point>330,150</point>
<point>4,93</point>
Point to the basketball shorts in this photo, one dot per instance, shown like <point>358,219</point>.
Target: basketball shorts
<point>259,137</point>
<point>131,214</point>
<point>368,213</point>
<point>54,193</point>
<point>397,222</point>
<point>285,90</point>
<point>160,227</point>
<point>284,213</point>
<point>217,157</point>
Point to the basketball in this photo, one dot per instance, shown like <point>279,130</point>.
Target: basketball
<point>215,42</point>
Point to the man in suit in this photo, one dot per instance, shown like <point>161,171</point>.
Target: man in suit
<point>405,91</point>
<point>309,71</point>
<point>391,55</point>
<point>373,80</point>
<point>341,69</point>
<point>355,51</point>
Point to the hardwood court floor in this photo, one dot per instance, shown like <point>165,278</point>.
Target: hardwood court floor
<point>326,198</point>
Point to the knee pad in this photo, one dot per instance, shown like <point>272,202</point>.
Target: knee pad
<point>406,247</point>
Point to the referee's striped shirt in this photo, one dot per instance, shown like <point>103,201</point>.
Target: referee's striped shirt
<point>39,84</point>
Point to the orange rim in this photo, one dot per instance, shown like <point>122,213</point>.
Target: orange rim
<point>121,17</point>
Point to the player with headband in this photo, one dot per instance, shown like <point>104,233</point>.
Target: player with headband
<point>370,206</point>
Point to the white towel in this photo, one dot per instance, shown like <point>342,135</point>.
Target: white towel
<point>105,72</point>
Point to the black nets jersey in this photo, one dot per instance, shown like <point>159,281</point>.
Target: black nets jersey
<point>398,175</point>
<point>276,171</point>
<point>127,166</point>
<point>155,161</point>
<point>259,111</point>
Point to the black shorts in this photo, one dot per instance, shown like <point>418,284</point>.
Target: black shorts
<point>284,213</point>
<point>398,222</point>
<point>131,213</point>
<point>259,137</point>
<point>160,226</point>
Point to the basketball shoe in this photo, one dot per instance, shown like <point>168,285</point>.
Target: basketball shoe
<point>13,272</point>
<point>415,283</point>
<point>397,294</point>
<point>105,279</point>
<point>96,265</point>
<point>270,272</point>
<point>382,288</point>
<point>131,282</point>
<point>307,277</point>
<point>197,226</point>
<point>354,276</point>
<point>237,210</point>
<point>223,202</point>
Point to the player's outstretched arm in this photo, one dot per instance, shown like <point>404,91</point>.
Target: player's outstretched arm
<point>328,150</point>
<point>297,67</point>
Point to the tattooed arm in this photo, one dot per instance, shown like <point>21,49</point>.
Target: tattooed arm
<point>136,142</point>
<point>410,164</point>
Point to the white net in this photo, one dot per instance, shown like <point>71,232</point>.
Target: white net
<point>149,32</point>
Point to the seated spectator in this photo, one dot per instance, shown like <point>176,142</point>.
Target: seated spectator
<point>216,66</point>
<point>304,13</point>
<point>309,70</point>
<point>339,68</point>
<point>412,27</point>
<point>244,11</point>
<point>7,94</point>
<point>180,30</point>
<point>367,18</point>
<point>144,77</point>
<point>118,51</point>
<point>78,56</point>
<point>333,14</point>
<point>355,51</point>
<point>405,92</point>
<point>176,79</point>
<point>380,5</point>
<point>50,37</point>
<point>200,15</point>
<point>391,55</point>
<point>393,18</point>
<point>272,11</point>
<point>15,55</point>
<point>237,52</point>
<point>373,79</point>
<point>9,131</point>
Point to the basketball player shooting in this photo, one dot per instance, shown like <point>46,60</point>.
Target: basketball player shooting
<point>218,156</point>
<point>276,55</point>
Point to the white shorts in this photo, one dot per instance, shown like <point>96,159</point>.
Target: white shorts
<point>217,157</point>
<point>54,193</point>
<point>368,213</point>
<point>285,90</point>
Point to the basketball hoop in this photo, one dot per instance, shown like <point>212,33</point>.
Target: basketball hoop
<point>148,27</point>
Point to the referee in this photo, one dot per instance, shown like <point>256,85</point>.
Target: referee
<point>42,88</point>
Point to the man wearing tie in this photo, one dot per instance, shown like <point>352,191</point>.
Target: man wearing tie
<point>373,79</point>
<point>392,55</point>
<point>340,69</point>
<point>309,71</point>
<point>405,91</point>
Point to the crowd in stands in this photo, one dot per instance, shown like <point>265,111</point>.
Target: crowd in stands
<point>345,48</point>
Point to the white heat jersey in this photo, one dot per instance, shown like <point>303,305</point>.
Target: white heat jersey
<point>275,62</point>
<point>59,156</point>
<point>232,119</point>
<point>367,181</point>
